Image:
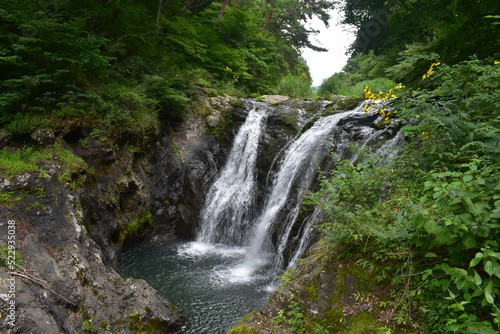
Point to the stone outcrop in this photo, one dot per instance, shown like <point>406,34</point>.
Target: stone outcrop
<point>64,282</point>
<point>69,234</point>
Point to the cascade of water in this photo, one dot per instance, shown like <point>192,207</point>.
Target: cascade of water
<point>227,213</point>
<point>296,173</point>
<point>306,236</point>
<point>230,216</point>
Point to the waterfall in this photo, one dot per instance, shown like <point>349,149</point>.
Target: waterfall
<point>269,231</point>
<point>228,211</point>
<point>296,173</point>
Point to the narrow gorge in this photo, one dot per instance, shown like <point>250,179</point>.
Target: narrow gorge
<point>218,200</point>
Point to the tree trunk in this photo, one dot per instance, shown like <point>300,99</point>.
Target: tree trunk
<point>269,17</point>
<point>158,16</point>
<point>224,4</point>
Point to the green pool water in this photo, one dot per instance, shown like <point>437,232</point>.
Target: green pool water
<point>211,284</point>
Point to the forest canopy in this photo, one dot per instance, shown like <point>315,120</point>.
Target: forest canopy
<point>399,40</point>
<point>120,59</point>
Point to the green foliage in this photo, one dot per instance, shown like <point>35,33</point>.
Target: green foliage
<point>6,258</point>
<point>88,327</point>
<point>72,166</point>
<point>28,159</point>
<point>360,71</point>
<point>350,197</point>
<point>134,227</point>
<point>295,86</point>
<point>128,64</point>
<point>286,276</point>
<point>16,162</point>
<point>456,30</point>
<point>237,104</point>
<point>296,321</point>
<point>436,205</point>
<point>412,62</point>
<point>8,198</point>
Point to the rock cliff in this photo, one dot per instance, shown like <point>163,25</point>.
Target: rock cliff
<point>88,194</point>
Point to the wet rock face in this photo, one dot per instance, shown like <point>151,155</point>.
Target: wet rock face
<point>44,136</point>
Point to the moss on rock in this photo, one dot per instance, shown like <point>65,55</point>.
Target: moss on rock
<point>329,294</point>
<point>243,329</point>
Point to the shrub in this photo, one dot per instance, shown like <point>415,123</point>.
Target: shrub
<point>295,86</point>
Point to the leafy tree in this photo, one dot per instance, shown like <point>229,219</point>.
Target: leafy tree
<point>456,30</point>
<point>286,18</point>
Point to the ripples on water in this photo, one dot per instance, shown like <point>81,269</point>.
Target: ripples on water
<point>211,284</point>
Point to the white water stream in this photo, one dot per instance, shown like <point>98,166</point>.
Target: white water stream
<point>227,215</point>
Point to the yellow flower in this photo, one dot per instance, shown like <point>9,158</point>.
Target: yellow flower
<point>399,86</point>
<point>366,109</point>
<point>496,62</point>
<point>430,71</point>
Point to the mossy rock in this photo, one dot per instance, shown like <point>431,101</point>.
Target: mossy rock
<point>364,323</point>
<point>243,329</point>
<point>338,296</point>
<point>342,103</point>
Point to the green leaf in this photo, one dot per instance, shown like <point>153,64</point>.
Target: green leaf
<point>488,267</point>
<point>432,227</point>
<point>467,178</point>
<point>430,255</point>
<point>465,218</point>
<point>469,241</point>
<point>487,292</point>
<point>477,278</point>
<point>462,271</point>
<point>496,270</point>
<point>470,206</point>
<point>475,261</point>
<point>495,213</point>
<point>489,298</point>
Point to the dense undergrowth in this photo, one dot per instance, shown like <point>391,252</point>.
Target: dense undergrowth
<point>428,221</point>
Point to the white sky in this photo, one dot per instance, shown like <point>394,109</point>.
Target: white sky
<point>337,39</point>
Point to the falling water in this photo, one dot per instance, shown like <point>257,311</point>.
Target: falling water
<point>228,211</point>
<point>296,174</point>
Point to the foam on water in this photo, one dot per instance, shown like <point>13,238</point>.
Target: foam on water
<point>203,249</point>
